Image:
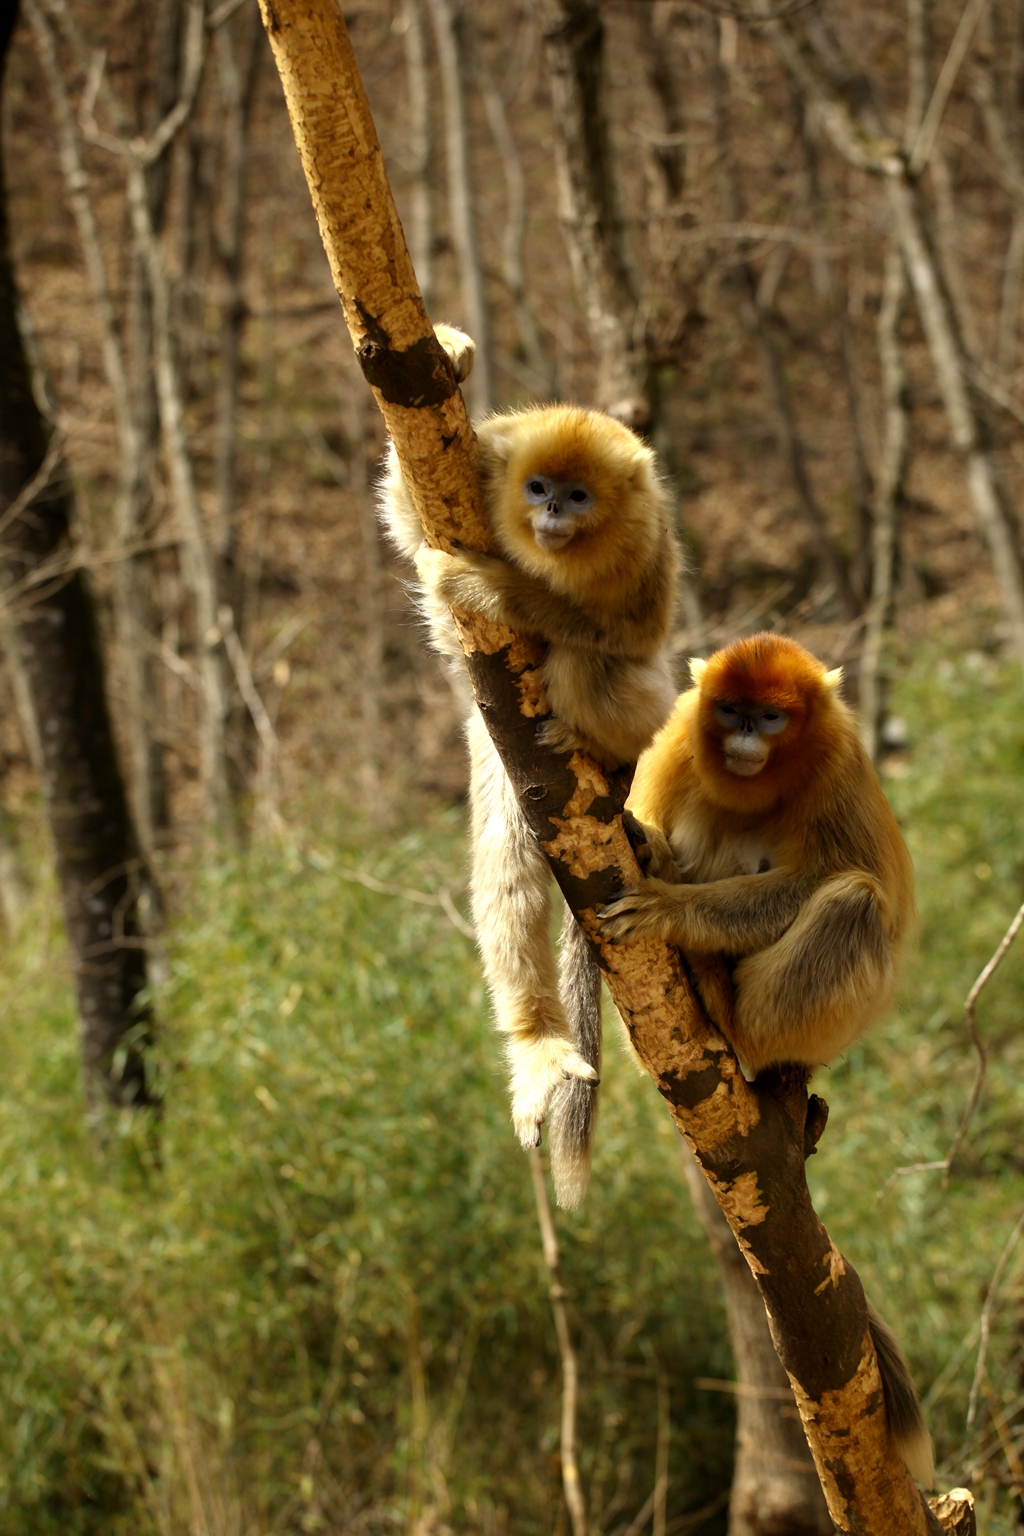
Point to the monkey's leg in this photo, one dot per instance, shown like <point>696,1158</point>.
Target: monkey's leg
<point>811,993</point>
<point>574,1106</point>
<point>511,910</point>
<point>714,983</point>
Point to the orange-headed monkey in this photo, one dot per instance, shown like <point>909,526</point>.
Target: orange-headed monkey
<point>778,850</point>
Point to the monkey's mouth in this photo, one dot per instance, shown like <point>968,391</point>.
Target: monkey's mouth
<point>746,767</point>
<point>553,535</point>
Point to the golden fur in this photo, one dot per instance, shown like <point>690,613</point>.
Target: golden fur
<point>797,874</point>
<point>604,603</point>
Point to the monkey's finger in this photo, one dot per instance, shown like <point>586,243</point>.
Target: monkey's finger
<point>528,1132</point>
<point>623,902</point>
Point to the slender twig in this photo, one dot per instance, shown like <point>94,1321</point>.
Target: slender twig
<point>755,17</point>
<point>976,1040</point>
<point>260,719</point>
<point>39,481</point>
<point>743,1389</point>
<point>986,1318</point>
<point>925,141</point>
<point>570,1378</point>
<point>946,1163</point>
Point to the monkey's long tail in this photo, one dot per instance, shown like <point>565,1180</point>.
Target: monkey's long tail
<point>574,1106</point>
<point>901,1403</point>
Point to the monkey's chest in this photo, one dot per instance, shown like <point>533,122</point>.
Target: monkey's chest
<point>722,859</point>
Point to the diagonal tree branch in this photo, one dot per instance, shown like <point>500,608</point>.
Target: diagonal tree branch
<point>751,1141</point>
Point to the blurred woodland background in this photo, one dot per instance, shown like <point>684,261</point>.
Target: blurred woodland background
<point>787,242</point>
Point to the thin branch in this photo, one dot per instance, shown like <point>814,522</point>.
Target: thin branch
<point>570,1375</point>
<point>754,17</point>
<point>39,481</point>
<point>946,1163</point>
<point>986,1318</point>
<point>260,719</point>
<point>976,1040</point>
<point>925,142</point>
<point>146,151</point>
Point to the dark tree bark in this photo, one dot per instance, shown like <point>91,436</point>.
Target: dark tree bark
<point>99,865</point>
<point>775,1490</point>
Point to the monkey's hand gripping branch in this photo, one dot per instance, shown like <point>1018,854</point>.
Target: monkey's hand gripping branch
<point>750,1142</point>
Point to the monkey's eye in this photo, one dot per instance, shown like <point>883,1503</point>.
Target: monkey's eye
<point>577,497</point>
<point>726,715</point>
<point>772,721</point>
<point>537,490</point>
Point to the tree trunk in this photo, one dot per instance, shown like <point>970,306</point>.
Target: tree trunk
<point>888,496</point>
<point>589,207</point>
<point>751,1140</point>
<point>421,240</point>
<point>775,1489</point>
<point>450,24</point>
<point>237,69</point>
<point>99,865</point>
<point>133,662</point>
<point>515,222</point>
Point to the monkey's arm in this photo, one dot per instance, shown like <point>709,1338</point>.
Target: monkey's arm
<point>737,916</point>
<point>500,592</point>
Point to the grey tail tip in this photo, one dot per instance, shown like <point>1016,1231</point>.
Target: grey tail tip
<point>903,1410</point>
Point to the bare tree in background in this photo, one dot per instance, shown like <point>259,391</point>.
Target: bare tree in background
<point>237,46</point>
<point>589,208</point>
<point>888,499</point>
<point>515,222</point>
<point>99,864</point>
<point>791,449</point>
<point>451,21</point>
<point>419,147</point>
<point>845,103</point>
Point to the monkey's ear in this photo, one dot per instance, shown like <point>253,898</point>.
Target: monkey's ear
<point>498,435</point>
<point>698,666</point>
<point>833,679</point>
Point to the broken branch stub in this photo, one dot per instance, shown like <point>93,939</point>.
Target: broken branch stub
<point>749,1140</point>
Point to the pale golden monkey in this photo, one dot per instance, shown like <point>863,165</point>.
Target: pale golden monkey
<point>776,849</point>
<point>588,562</point>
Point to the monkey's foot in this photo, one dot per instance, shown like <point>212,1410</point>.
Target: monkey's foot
<point>554,733</point>
<point>646,911</point>
<point>538,1068</point>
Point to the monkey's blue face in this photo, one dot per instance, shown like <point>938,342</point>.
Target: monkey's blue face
<point>560,504</point>
<point>747,724</point>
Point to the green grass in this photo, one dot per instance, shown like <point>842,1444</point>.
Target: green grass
<point>324,1308</point>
